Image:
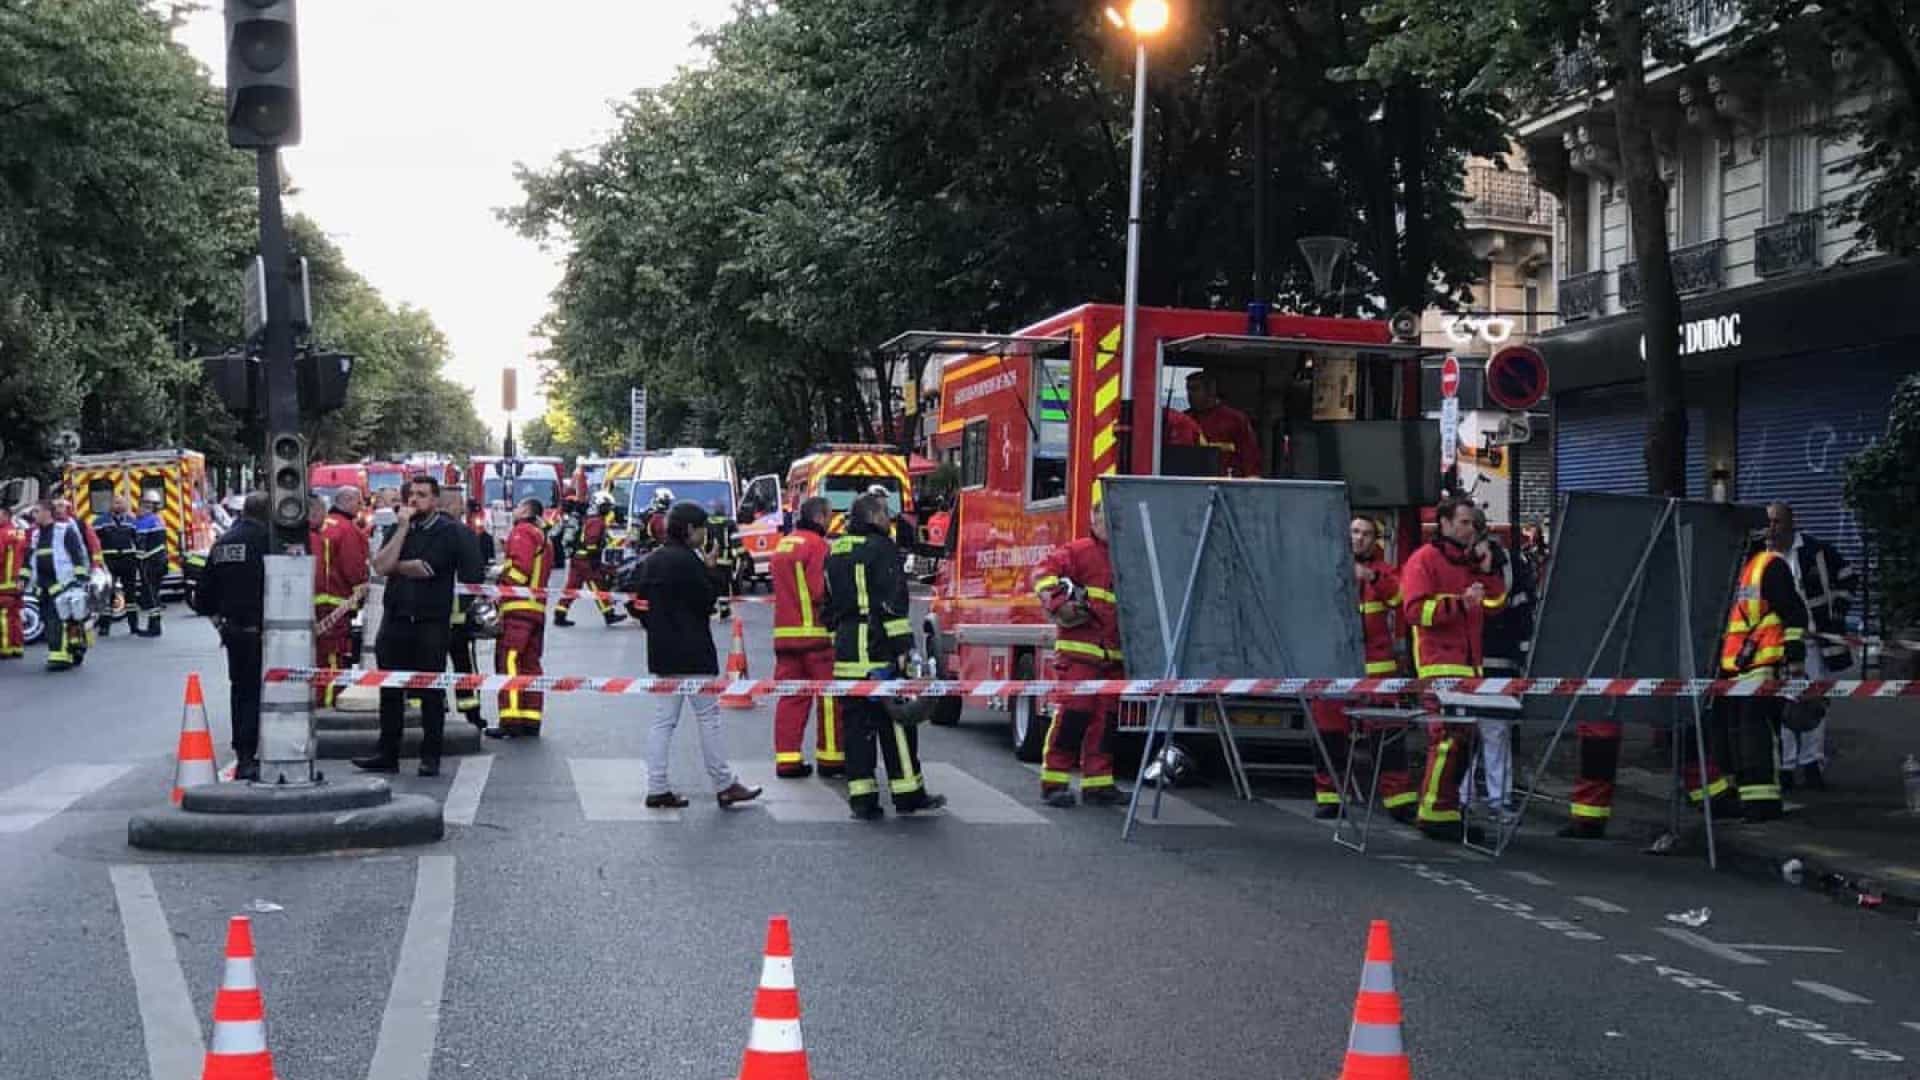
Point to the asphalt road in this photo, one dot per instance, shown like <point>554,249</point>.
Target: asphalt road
<point>585,938</point>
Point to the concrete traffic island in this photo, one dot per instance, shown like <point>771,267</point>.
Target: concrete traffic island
<point>352,729</point>
<point>270,819</point>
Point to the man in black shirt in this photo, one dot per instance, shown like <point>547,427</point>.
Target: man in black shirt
<point>232,591</point>
<point>419,561</point>
<point>678,589</point>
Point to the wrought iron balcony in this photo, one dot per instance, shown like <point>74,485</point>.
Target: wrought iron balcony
<point>1789,245</point>
<point>1504,195</point>
<point>1583,296</point>
<point>1697,268</point>
<point>1693,22</point>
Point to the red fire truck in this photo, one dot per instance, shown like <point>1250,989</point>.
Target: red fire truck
<point>1031,419</point>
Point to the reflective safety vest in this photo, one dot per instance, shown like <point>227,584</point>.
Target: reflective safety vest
<point>1087,564</point>
<point>799,572</point>
<point>1756,640</point>
<point>529,558</point>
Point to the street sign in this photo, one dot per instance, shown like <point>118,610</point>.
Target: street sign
<point>1516,377</point>
<point>637,420</point>
<point>1449,431</point>
<point>254,293</point>
<point>1450,377</point>
<point>509,390</point>
<point>1514,429</point>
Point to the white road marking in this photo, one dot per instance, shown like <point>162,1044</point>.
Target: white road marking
<point>976,802</point>
<point>463,798</point>
<point>1785,948</point>
<point>808,800</point>
<point>174,1047</point>
<point>1912,1025</point>
<point>28,804</point>
<point>1711,948</point>
<point>1531,878</point>
<point>615,789</point>
<point>411,1023</point>
<point>1832,993</point>
<point>1607,907</point>
<point>1174,810</point>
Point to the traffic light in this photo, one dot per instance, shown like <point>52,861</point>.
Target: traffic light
<point>287,479</point>
<point>323,381</point>
<point>263,74</point>
<point>235,376</point>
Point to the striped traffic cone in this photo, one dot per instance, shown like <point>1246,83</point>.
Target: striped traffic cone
<point>239,1050</point>
<point>1374,1047</point>
<point>194,765</point>
<point>737,669</point>
<point>774,1051</point>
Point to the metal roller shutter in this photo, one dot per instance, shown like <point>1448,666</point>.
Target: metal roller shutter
<point>1599,442</point>
<point>1801,419</point>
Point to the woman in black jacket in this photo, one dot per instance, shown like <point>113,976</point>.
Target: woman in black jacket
<point>678,589</point>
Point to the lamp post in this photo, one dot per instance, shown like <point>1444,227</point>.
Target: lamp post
<point>1145,18</point>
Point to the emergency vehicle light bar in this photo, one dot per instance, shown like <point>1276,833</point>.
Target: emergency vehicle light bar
<point>941,342</point>
<point>1242,346</point>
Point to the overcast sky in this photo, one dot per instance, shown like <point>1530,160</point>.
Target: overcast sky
<point>413,114</point>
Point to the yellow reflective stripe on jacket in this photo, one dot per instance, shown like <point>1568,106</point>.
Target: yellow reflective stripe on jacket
<point>1429,609</point>
<point>855,669</point>
<point>1087,648</point>
<point>1382,667</point>
<point>897,627</point>
<point>783,633</point>
<point>1373,607</point>
<point>806,597</point>
<point>1041,585</point>
<point>328,599</point>
<point>1100,594</point>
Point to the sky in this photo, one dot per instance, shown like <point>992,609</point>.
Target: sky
<point>413,113</point>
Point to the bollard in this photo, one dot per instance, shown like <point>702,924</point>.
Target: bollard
<point>286,709</point>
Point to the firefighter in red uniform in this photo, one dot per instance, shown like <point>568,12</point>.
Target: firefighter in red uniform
<point>803,646</point>
<point>523,621</point>
<point>339,580</point>
<point>1075,585</point>
<point>1446,590</point>
<point>1379,587</point>
<point>1179,429</point>
<point>14,552</point>
<point>586,567</point>
<point>1223,427</point>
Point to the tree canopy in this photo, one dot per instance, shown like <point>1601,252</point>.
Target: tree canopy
<point>125,221</point>
<point>837,171</point>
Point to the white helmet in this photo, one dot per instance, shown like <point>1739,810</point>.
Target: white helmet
<point>662,498</point>
<point>878,490</point>
<point>603,500</point>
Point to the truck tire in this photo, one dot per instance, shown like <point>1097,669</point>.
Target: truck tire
<point>1026,719</point>
<point>945,711</point>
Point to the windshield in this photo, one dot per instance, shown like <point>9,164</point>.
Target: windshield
<point>385,481</point>
<point>535,487</point>
<point>840,491</point>
<point>595,475</point>
<point>715,496</point>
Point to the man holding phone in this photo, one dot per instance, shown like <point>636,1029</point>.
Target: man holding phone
<point>419,561</point>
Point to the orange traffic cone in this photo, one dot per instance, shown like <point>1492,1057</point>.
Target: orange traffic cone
<point>737,669</point>
<point>195,763</point>
<point>1374,1048</point>
<point>774,1051</point>
<point>239,1050</point>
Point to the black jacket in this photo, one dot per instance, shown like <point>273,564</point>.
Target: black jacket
<point>867,603</point>
<point>1826,581</point>
<point>233,586</point>
<point>1508,635</point>
<point>679,594</point>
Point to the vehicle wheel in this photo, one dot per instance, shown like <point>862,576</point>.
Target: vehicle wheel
<point>945,711</point>
<point>1027,720</point>
<point>30,625</point>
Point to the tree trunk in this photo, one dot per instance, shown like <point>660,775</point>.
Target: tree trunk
<point>1415,263</point>
<point>1666,446</point>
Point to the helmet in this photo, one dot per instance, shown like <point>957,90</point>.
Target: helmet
<point>879,491</point>
<point>151,498</point>
<point>483,618</point>
<point>603,500</point>
<point>662,498</point>
<point>1171,767</point>
<point>100,592</point>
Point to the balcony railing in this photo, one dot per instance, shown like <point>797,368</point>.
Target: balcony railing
<point>1695,22</point>
<point>1583,296</point>
<point>1494,194</point>
<point>1789,245</point>
<point>1697,268</point>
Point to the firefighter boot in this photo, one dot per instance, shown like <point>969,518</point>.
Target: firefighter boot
<point>1061,799</point>
<point>560,617</point>
<point>152,628</point>
<point>615,618</point>
<point>1102,796</point>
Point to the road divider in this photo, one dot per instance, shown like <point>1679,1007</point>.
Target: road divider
<point>921,688</point>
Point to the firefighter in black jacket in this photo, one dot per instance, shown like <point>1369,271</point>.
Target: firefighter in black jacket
<point>232,591</point>
<point>873,639</point>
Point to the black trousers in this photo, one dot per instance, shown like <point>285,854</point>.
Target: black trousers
<point>408,645</point>
<point>244,667</point>
<point>872,736</point>
<point>152,568</point>
<point>126,574</point>
<point>461,654</point>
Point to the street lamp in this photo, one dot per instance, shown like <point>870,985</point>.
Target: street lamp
<point>1145,18</point>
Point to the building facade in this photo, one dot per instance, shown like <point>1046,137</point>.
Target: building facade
<point>1792,340</point>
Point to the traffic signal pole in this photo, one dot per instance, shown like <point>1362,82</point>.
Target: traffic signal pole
<point>286,715</point>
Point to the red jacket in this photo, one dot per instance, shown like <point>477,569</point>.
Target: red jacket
<point>13,556</point>
<point>1446,630</point>
<point>799,571</point>
<point>339,560</point>
<point>1179,429</point>
<point>1228,428</point>
<point>1379,599</point>
<point>593,538</point>
<point>529,562</point>
<point>1088,565</point>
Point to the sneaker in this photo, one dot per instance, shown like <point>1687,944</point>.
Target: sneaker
<point>1062,799</point>
<point>1102,796</point>
<point>793,772</point>
<point>919,804</point>
<point>736,792</point>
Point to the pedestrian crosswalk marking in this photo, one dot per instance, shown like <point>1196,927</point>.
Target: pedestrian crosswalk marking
<point>615,789</point>
<point>808,800</point>
<point>976,802</point>
<point>51,791</point>
<point>1174,810</point>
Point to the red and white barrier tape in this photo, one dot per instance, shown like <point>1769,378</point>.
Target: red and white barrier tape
<point>523,592</point>
<point>916,688</point>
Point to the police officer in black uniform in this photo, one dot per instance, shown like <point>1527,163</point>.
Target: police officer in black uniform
<point>232,591</point>
<point>115,532</point>
<point>873,639</point>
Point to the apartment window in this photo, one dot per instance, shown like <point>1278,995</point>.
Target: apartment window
<point>1699,182</point>
<point>1790,151</point>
